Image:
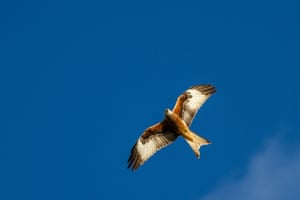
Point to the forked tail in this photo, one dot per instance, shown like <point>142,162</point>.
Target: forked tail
<point>196,143</point>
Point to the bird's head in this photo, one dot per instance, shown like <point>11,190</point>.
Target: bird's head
<point>168,112</point>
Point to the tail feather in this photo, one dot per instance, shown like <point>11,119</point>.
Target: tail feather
<point>196,143</point>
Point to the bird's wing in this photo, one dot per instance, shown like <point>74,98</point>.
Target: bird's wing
<point>153,139</point>
<point>191,100</point>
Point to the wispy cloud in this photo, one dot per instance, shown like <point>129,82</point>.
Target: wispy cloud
<point>274,173</point>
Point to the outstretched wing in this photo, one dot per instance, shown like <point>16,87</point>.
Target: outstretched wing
<point>152,140</point>
<point>191,100</point>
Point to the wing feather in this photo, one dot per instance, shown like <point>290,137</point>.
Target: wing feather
<point>159,135</point>
<point>151,141</point>
<point>191,100</point>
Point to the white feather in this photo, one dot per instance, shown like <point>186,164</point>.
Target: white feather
<point>192,105</point>
<point>197,99</point>
<point>147,149</point>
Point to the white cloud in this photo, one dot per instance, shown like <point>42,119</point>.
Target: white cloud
<point>274,173</point>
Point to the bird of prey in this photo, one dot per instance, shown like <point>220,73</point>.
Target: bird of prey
<point>175,123</point>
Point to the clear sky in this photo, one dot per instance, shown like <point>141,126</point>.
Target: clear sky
<point>81,80</point>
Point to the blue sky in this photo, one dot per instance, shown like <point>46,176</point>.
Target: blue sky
<point>80,81</point>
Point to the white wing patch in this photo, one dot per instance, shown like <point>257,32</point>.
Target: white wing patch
<point>161,134</point>
<point>145,148</point>
<point>197,96</point>
<point>197,99</point>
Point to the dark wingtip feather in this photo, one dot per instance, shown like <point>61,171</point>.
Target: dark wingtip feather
<point>134,160</point>
<point>205,88</point>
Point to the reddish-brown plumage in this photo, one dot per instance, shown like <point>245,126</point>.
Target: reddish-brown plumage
<point>164,133</point>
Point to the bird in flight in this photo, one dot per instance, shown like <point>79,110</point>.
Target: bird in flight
<point>175,123</point>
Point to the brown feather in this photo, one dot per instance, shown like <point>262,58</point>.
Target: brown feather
<point>182,106</point>
<point>158,135</point>
<point>164,133</point>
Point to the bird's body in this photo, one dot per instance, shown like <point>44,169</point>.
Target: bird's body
<point>176,123</point>
<point>179,126</point>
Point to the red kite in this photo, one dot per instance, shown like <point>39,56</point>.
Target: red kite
<point>176,123</point>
